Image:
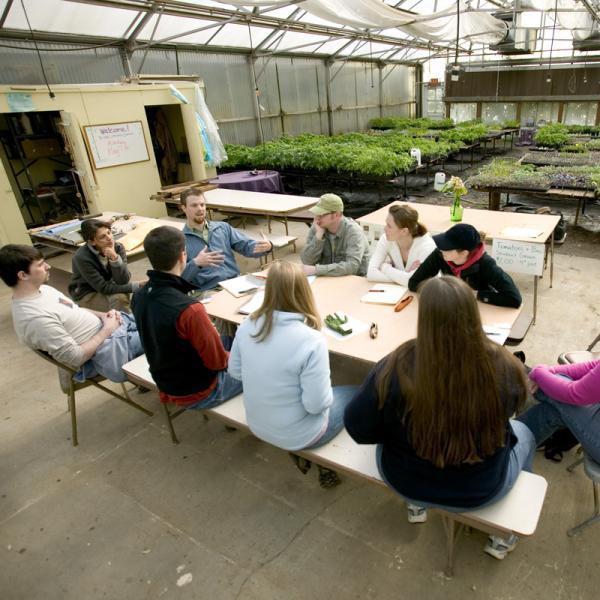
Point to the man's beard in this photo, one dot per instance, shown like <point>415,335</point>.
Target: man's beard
<point>199,219</point>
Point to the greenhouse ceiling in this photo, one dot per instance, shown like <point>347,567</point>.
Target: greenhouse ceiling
<point>390,31</point>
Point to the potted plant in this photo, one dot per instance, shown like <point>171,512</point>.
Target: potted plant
<point>458,189</point>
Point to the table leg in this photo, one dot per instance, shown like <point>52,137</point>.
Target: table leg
<point>535,293</point>
<point>494,200</point>
<point>578,210</point>
<point>453,530</point>
<point>551,258</point>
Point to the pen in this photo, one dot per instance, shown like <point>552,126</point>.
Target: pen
<point>376,291</point>
<point>403,303</point>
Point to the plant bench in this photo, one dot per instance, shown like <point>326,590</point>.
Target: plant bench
<point>517,513</point>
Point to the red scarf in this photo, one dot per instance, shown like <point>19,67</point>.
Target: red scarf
<point>473,258</point>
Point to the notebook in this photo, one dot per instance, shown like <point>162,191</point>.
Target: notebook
<point>253,304</point>
<point>240,286</point>
<point>384,293</point>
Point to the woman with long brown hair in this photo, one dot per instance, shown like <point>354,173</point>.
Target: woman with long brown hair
<point>401,249</point>
<point>281,357</point>
<point>439,408</point>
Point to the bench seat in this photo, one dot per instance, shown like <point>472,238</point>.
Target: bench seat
<point>516,513</point>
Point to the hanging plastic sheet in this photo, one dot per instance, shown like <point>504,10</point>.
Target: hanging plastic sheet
<point>214,151</point>
<point>474,25</point>
<point>578,20</point>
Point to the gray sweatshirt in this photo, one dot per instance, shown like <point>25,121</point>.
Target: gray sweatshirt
<point>344,253</point>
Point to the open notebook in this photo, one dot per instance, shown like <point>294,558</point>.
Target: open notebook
<point>384,293</point>
<point>242,285</point>
<point>253,304</point>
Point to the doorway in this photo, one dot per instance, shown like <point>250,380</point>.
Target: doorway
<point>39,167</point>
<point>169,143</point>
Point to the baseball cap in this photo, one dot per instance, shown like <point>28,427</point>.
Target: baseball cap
<point>328,203</point>
<point>460,237</point>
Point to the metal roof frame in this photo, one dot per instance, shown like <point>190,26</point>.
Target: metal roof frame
<point>219,16</point>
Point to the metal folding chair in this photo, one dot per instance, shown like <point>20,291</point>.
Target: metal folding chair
<point>69,387</point>
<point>580,355</point>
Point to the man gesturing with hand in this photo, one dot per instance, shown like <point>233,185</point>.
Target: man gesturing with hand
<point>210,244</point>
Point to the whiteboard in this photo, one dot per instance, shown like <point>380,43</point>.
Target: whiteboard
<point>519,257</point>
<point>116,144</point>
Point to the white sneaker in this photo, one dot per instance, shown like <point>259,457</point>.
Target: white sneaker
<point>499,547</point>
<point>416,514</point>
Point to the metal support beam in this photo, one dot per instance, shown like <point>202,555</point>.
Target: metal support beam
<point>5,13</point>
<point>126,61</point>
<point>254,87</point>
<point>145,18</point>
<point>295,16</point>
<point>328,97</point>
<point>419,91</point>
<point>346,59</point>
<point>258,19</point>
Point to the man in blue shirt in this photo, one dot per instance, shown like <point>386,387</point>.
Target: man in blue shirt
<point>210,244</point>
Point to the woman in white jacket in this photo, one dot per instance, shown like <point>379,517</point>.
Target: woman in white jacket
<point>281,357</point>
<point>404,245</point>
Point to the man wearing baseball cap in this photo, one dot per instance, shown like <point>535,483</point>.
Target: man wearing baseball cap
<point>461,252</point>
<point>336,245</point>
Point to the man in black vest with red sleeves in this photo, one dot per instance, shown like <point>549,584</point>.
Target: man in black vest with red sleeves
<point>187,358</point>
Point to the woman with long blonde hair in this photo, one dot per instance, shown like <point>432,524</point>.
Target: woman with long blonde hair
<point>281,357</point>
<point>439,408</point>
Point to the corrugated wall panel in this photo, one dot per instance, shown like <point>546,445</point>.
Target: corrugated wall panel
<point>63,64</point>
<point>157,61</point>
<point>398,91</point>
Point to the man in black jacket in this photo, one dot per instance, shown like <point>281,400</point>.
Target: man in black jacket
<point>185,353</point>
<point>101,280</point>
<point>461,252</point>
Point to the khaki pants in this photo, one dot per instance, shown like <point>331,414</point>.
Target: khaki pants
<point>102,303</point>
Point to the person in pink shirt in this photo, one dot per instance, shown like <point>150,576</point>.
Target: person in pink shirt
<point>568,396</point>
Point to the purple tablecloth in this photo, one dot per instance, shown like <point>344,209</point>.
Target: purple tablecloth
<point>266,181</point>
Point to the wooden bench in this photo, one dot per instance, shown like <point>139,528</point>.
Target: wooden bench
<point>516,513</point>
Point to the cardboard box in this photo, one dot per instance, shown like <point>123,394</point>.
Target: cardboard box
<point>38,148</point>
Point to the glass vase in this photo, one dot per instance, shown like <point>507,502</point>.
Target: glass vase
<point>456,211</point>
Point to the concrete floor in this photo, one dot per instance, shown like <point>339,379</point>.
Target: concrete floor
<point>129,515</point>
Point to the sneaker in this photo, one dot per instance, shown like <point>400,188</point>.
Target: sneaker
<point>416,514</point>
<point>499,547</point>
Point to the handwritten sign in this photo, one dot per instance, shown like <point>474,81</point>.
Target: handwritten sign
<point>116,144</point>
<point>519,257</point>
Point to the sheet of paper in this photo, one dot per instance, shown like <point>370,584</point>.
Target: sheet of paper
<point>136,236</point>
<point>239,286</point>
<point>497,332</point>
<point>384,293</point>
<point>356,325</point>
<point>521,232</point>
<point>253,304</point>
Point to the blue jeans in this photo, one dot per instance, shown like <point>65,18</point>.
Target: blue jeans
<point>227,387</point>
<point>550,415</point>
<point>520,459</point>
<point>122,346</point>
<point>342,394</point>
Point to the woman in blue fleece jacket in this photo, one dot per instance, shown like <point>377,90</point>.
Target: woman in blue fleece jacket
<point>281,357</point>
